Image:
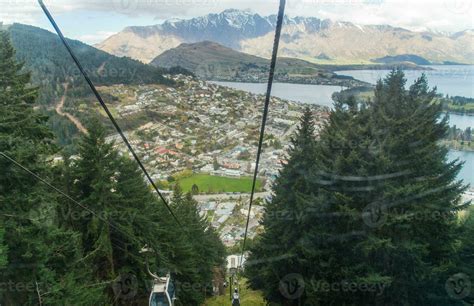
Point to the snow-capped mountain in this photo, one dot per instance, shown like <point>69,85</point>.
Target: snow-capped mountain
<point>227,28</point>
<point>307,38</point>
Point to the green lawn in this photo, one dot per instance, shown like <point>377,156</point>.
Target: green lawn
<point>467,108</point>
<point>247,297</point>
<point>218,184</point>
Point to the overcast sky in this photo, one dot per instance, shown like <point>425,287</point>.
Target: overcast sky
<point>94,20</point>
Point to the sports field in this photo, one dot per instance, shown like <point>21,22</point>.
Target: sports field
<point>218,184</point>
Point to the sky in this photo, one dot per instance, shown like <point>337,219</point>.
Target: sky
<point>92,21</point>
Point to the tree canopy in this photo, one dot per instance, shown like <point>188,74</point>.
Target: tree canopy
<point>374,207</point>
<point>54,251</point>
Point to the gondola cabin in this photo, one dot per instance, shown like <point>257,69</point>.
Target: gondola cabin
<point>163,292</point>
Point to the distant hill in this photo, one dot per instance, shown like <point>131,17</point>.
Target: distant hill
<point>307,38</point>
<point>212,61</point>
<point>208,59</point>
<point>404,58</point>
<point>51,65</point>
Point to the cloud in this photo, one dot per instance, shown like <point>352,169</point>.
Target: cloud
<point>19,11</point>
<point>441,15</point>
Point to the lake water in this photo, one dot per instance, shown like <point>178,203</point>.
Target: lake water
<point>452,80</point>
<point>467,172</point>
<point>461,121</point>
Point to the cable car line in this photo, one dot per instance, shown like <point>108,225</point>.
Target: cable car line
<point>31,173</point>
<point>279,25</point>
<point>37,177</point>
<point>156,290</point>
<point>167,280</point>
<point>278,29</point>
<point>104,106</point>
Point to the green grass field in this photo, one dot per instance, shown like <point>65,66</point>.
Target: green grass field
<point>218,184</point>
<point>467,108</point>
<point>247,297</point>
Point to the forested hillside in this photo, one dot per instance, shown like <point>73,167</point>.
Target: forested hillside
<point>51,65</point>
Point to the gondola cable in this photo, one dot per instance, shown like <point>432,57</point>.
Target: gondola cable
<point>31,173</point>
<point>166,279</point>
<point>279,25</point>
<point>37,177</point>
<point>104,106</point>
<point>124,138</point>
<point>42,180</point>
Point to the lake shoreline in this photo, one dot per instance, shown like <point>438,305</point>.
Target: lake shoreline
<point>453,80</point>
<point>459,113</point>
<point>322,95</point>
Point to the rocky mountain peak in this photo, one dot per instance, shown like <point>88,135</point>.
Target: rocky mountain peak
<point>302,37</point>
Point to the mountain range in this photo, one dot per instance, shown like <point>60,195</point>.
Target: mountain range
<point>307,38</point>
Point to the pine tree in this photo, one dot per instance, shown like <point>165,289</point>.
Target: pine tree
<point>36,254</point>
<point>21,136</point>
<point>378,209</point>
<point>120,225</point>
<point>282,216</point>
<point>3,249</point>
<point>344,157</point>
<point>205,246</point>
<point>67,255</point>
<point>391,200</point>
<point>421,201</point>
<point>466,263</point>
<point>94,178</point>
<point>128,217</point>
